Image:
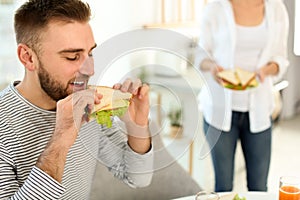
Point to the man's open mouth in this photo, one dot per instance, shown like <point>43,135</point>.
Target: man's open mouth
<point>79,85</point>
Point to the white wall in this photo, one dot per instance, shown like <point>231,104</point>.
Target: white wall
<point>10,68</point>
<point>291,95</point>
<point>116,16</point>
<point>110,17</point>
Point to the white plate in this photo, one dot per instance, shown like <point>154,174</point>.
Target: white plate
<point>258,196</point>
<point>248,195</point>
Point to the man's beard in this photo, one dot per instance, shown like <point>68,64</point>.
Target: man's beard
<point>52,88</point>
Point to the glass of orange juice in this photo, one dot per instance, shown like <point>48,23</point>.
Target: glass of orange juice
<point>289,188</point>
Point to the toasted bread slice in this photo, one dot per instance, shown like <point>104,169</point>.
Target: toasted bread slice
<point>229,76</point>
<point>229,196</point>
<point>245,76</point>
<point>253,83</point>
<point>112,98</point>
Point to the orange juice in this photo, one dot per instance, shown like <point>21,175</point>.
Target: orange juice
<point>289,193</point>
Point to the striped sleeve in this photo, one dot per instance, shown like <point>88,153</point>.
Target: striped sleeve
<point>134,169</point>
<point>25,130</point>
<point>38,185</point>
<point>139,167</point>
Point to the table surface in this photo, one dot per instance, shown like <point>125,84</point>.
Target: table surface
<point>248,195</point>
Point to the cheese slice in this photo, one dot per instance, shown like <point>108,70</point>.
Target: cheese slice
<point>111,98</point>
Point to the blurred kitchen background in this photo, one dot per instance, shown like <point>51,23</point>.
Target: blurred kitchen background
<point>113,17</point>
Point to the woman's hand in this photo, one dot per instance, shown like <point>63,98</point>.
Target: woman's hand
<point>214,71</point>
<point>213,67</point>
<point>271,68</point>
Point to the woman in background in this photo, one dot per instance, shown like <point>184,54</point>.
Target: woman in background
<point>250,34</point>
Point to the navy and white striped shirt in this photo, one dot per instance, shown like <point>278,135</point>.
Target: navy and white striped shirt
<point>24,132</point>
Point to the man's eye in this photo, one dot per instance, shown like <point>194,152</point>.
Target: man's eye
<point>90,54</point>
<point>72,58</point>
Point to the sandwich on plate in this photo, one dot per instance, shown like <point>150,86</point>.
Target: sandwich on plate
<point>225,196</point>
<point>231,196</point>
<point>113,103</point>
<point>238,79</point>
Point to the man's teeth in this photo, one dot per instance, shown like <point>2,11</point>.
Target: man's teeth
<point>78,82</point>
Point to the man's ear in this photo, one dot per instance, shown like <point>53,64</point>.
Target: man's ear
<point>26,55</point>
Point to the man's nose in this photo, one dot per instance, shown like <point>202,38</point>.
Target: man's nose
<point>87,67</point>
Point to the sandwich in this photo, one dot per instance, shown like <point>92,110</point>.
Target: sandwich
<point>238,79</point>
<point>113,103</point>
<point>227,196</point>
<point>231,196</point>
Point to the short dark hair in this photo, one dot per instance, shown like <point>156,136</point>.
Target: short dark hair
<point>34,16</point>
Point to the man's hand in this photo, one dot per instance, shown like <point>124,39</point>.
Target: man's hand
<point>70,115</point>
<point>138,109</point>
<point>136,118</point>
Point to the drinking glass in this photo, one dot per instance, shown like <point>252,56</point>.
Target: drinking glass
<point>289,188</point>
<point>204,195</point>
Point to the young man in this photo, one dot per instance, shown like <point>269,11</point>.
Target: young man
<point>48,150</point>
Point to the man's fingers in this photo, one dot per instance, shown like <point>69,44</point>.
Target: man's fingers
<point>135,86</point>
<point>87,96</point>
<point>84,101</point>
<point>129,86</point>
<point>143,91</point>
<point>98,98</point>
<point>117,86</point>
<point>126,85</point>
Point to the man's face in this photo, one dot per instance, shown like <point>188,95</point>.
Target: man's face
<point>65,60</point>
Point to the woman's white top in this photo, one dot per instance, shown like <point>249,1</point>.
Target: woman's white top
<point>218,36</point>
<point>250,42</point>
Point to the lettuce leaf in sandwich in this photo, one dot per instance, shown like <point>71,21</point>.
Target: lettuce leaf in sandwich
<point>113,103</point>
